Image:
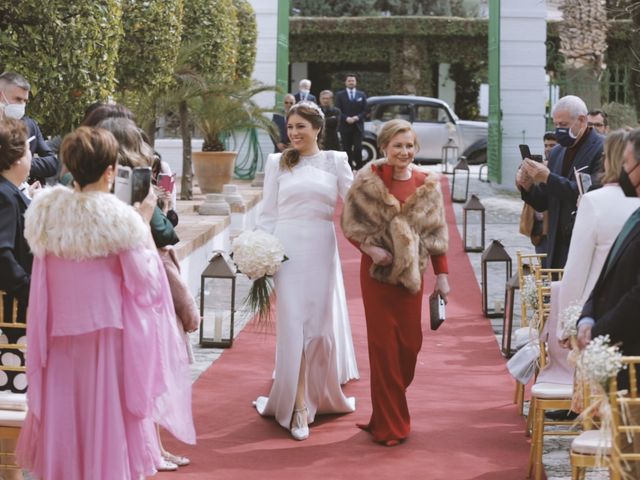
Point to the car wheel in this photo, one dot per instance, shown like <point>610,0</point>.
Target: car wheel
<point>369,150</point>
<point>478,157</point>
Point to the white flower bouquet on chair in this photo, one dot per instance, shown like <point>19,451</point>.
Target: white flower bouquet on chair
<point>258,255</point>
<point>569,318</point>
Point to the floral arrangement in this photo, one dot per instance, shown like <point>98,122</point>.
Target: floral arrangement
<point>258,255</point>
<point>568,319</point>
<point>530,292</point>
<point>601,361</point>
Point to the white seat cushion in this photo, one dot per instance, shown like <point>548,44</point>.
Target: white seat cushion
<point>589,442</point>
<point>12,418</point>
<point>552,390</point>
<point>13,401</point>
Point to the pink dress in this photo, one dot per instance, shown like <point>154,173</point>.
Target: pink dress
<point>104,357</point>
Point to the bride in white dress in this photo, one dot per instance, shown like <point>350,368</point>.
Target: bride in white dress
<point>313,337</point>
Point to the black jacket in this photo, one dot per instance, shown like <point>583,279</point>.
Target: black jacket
<point>331,123</point>
<point>559,195</point>
<point>350,108</point>
<point>310,97</point>
<point>281,123</point>
<point>15,255</point>
<point>46,163</point>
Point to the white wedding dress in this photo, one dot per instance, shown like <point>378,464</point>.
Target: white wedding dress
<point>311,311</point>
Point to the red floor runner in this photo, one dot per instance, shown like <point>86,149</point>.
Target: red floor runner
<point>464,424</point>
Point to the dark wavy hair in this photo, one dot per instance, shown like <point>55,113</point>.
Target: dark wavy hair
<point>13,142</point>
<point>291,157</point>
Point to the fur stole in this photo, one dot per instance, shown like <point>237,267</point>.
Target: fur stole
<point>80,226</point>
<point>411,232</point>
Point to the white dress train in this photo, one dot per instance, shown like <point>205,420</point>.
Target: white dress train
<point>298,208</point>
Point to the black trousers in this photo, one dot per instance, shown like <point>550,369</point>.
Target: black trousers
<point>352,144</point>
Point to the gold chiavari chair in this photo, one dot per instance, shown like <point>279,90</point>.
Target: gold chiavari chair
<point>528,264</point>
<point>13,406</point>
<point>625,410</point>
<point>546,394</point>
<point>593,446</point>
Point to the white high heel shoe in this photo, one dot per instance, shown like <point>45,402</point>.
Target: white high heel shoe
<point>299,425</point>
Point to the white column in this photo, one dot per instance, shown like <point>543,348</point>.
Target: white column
<point>523,32</point>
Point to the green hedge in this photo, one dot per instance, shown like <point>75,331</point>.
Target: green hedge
<point>247,38</point>
<point>148,51</point>
<point>212,25</point>
<point>67,51</point>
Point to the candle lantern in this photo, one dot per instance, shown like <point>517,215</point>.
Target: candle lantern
<point>507,324</point>
<point>460,181</point>
<point>493,261</point>
<point>473,222</point>
<point>217,303</point>
<point>449,155</point>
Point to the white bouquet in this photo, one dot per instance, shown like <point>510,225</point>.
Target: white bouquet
<point>258,255</point>
<point>568,318</point>
<point>601,361</point>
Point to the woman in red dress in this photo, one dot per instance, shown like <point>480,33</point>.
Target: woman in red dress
<point>395,215</point>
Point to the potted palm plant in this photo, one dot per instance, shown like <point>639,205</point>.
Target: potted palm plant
<point>218,112</point>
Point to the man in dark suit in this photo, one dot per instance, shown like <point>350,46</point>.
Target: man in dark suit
<point>353,105</point>
<point>553,187</point>
<point>14,94</point>
<point>281,122</point>
<point>304,92</point>
<point>331,121</point>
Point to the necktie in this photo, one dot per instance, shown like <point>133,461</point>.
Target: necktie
<point>629,225</point>
<point>351,94</point>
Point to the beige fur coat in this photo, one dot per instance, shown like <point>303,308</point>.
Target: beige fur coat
<point>411,232</point>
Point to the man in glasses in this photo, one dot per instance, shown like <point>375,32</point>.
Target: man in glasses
<point>280,120</point>
<point>599,121</point>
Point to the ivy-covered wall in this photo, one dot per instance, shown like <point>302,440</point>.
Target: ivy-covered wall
<point>410,47</point>
<point>66,50</point>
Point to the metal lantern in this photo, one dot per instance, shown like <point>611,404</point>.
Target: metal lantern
<point>494,258</point>
<point>507,324</point>
<point>449,155</point>
<point>461,174</point>
<point>217,303</point>
<point>473,222</point>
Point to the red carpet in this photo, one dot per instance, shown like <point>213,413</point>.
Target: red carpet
<point>464,425</point>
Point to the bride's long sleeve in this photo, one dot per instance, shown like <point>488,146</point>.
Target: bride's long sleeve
<point>269,213</point>
<point>345,174</point>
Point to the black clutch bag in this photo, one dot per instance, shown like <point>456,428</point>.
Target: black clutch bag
<point>436,311</point>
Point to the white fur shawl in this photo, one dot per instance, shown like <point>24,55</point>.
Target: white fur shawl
<point>78,226</point>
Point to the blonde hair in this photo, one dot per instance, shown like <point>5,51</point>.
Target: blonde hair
<point>393,128</point>
<point>133,150</point>
<point>614,146</point>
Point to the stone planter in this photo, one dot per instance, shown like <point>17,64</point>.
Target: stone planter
<point>213,169</point>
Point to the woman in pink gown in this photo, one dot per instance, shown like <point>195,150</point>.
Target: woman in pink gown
<point>100,331</point>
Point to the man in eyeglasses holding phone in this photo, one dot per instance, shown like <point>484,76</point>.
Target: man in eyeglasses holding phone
<point>554,187</point>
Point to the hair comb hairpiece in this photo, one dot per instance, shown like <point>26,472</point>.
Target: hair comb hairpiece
<point>311,105</point>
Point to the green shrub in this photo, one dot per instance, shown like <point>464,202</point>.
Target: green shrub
<point>248,35</point>
<point>620,115</point>
<point>149,48</point>
<point>212,25</point>
<point>67,51</point>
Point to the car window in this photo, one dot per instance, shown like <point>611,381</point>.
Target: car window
<point>389,111</point>
<point>431,114</point>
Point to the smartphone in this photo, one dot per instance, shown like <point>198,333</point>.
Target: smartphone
<point>140,183</point>
<point>122,184</point>
<point>524,151</point>
<point>536,158</point>
<point>167,181</point>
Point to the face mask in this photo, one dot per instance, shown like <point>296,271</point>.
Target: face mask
<point>626,185</point>
<point>13,110</point>
<point>304,91</point>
